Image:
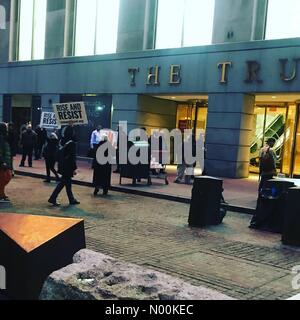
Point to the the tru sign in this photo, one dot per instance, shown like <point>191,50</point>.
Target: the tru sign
<point>252,75</point>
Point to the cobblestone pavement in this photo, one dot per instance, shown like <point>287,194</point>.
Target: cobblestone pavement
<point>231,258</point>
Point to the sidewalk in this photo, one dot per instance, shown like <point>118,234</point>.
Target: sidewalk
<point>239,193</point>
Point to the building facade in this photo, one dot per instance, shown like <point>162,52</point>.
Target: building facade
<point>228,67</point>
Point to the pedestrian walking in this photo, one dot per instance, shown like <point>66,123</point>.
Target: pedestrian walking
<point>41,139</point>
<point>66,166</point>
<point>28,142</point>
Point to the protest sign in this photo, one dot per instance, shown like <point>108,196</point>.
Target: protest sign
<point>70,113</point>
<point>48,121</point>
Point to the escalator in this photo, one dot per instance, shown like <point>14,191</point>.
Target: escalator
<point>274,129</point>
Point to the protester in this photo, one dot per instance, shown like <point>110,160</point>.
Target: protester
<point>66,166</point>
<point>5,162</point>
<point>28,142</point>
<point>267,163</point>
<point>102,172</point>
<point>40,141</point>
<point>50,154</point>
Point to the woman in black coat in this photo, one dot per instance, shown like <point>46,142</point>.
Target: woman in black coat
<point>102,172</point>
<point>66,166</point>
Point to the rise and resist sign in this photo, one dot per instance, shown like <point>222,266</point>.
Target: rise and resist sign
<point>70,113</point>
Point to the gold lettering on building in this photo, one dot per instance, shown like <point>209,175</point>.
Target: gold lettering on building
<point>253,69</point>
<point>175,77</point>
<point>153,76</point>
<point>224,67</point>
<point>283,63</point>
<point>133,72</point>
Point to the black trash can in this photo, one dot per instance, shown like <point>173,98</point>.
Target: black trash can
<point>205,209</point>
<point>269,215</point>
<point>291,229</point>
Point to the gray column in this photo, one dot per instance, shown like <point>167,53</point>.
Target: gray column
<point>228,135</point>
<point>70,19</point>
<point>55,28</point>
<point>125,107</point>
<point>239,20</point>
<point>48,100</point>
<point>137,19</point>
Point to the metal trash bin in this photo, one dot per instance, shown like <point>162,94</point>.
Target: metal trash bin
<point>269,215</point>
<point>291,229</point>
<point>205,209</point>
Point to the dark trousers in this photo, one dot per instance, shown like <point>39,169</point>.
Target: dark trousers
<point>263,180</point>
<point>64,182</point>
<point>50,163</point>
<point>27,152</point>
<point>38,152</point>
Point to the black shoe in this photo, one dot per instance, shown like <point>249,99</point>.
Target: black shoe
<point>54,203</point>
<point>96,191</point>
<point>4,199</point>
<point>74,202</point>
<point>47,181</point>
<point>105,192</point>
<point>21,165</point>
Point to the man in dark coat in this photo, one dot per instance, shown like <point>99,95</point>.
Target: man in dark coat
<point>28,142</point>
<point>102,172</point>
<point>66,166</point>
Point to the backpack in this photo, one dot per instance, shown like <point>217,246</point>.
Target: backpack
<point>267,162</point>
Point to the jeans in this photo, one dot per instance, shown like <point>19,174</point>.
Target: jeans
<point>64,182</point>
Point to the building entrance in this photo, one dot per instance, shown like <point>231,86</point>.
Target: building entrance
<point>192,115</point>
<point>279,121</point>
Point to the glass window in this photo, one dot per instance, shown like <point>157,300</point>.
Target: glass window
<point>107,19</point>
<point>198,22</point>
<point>32,29</point>
<point>39,29</point>
<point>25,33</point>
<point>96,27</point>
<point>169,23</point>
<point>184,23</point>
<point>85,27</point>
<point>282,19</point>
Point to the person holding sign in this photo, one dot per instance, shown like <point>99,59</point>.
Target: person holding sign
<point>66,166</point>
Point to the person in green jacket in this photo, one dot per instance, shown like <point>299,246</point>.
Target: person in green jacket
<point>5,162</point>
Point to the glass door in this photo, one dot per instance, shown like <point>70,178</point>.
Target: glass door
<point>296,153</point>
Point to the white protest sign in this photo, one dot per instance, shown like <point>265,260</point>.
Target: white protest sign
<point>70,113</point>
<point>48,121</point>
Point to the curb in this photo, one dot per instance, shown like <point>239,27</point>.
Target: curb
<point>121,189</point>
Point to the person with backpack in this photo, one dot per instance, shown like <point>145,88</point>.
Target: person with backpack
<point>5,162</point>
<point>66,166</point>
<point>267,163</point>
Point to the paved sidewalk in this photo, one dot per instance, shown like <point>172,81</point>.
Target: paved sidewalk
<point>241,193</point>
<point>230,258</point>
